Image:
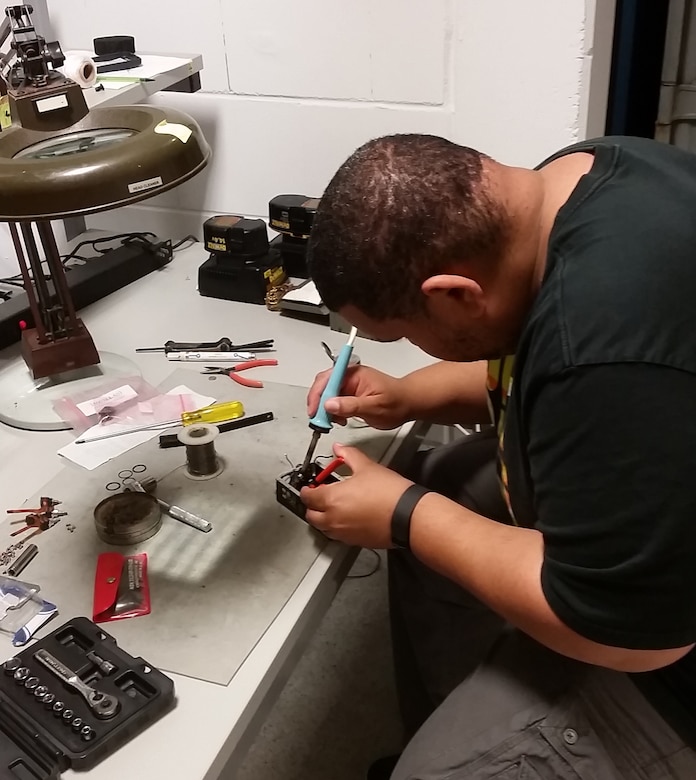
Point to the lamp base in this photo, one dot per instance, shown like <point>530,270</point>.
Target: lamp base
<point>27,403</point>
<point>61,356</point>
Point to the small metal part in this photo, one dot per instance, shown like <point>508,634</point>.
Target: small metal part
<point>76,725</point>
<point>23,561</point>
<point>104,705</point>
<point>104,666</point>
<point>87,733</point>
<point>31,683</point>
<point>21,675</point>
<point>40,691</point>
<point>11,665</point>
<point>307,462</point>
<point>67,716</point>
<point>48,700</point>
<point>58,707</point>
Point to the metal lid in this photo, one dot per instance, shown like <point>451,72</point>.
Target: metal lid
<point>127,518</point>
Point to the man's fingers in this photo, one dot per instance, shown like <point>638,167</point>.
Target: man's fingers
<point>315,392</point>
<point>316,519</point>
<point>354,458</point>
<point>314,497</point>
<point>347,406</point>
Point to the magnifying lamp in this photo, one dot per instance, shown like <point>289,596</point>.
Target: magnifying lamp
<point>60,160</point>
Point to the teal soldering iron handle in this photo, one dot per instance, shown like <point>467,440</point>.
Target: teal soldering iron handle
<point>322,421</point>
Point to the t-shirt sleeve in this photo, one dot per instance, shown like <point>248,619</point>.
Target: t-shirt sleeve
<point>612,452</point>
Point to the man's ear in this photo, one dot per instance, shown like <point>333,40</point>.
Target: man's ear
<point>446,290</point>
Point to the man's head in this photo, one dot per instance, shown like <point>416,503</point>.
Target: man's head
<point>410,239</point>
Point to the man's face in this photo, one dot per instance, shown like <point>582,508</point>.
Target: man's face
<point>457,341</point>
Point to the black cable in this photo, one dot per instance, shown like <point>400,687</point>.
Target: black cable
<point>372,571</point>
<point>183,241</point>
<point>95,242</point>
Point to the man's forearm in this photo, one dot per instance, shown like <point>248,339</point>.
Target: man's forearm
<point>448,393</point>
<point>501,565</point>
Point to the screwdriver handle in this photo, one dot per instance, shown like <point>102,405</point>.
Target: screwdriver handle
<point>215,413</point>
<point>322,420</point>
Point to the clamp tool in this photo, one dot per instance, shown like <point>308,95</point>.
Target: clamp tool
<point>223,345</point>
<point>233,371</point>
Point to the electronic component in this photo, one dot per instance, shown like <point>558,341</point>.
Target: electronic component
<point>288,486</point>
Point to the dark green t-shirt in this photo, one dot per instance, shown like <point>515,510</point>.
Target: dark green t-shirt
<point>600,429</point>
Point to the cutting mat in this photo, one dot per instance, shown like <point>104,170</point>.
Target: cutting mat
<point>213,595</point>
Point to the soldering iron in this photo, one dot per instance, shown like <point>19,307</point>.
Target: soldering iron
<point>321,421</point>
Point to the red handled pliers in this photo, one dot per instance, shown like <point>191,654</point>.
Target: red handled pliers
<point>233,372</point>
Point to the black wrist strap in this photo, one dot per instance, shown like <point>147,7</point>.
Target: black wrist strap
<point>401,519</point>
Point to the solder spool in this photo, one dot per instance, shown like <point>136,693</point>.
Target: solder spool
<point>202,462</point>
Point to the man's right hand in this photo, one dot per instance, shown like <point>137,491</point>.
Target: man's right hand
<point>377,398</point>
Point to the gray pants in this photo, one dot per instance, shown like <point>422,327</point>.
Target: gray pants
<point>482,700</point>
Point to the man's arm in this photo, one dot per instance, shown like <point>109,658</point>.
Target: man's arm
<point>448,393</point>
<point>501,565</point>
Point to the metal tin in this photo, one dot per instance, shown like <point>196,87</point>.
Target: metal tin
<point>127,518</point>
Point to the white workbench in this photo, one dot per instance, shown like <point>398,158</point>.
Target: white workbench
<point>212,725</point>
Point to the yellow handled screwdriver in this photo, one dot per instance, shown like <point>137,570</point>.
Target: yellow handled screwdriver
<point>214,413</point>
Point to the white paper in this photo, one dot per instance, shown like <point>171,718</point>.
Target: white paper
<point>306,294</point>
<point>113,398</point>
<point>92,455</point>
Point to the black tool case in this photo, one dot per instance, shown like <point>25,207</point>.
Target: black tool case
<point>36,743</point>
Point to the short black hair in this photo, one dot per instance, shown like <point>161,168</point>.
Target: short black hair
<point>400,209</point>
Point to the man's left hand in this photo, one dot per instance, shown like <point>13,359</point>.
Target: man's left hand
<point>358,510</point>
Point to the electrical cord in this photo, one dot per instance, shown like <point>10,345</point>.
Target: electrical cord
<point>96,245</point>
<point>179,244</point>
<point>372,571</point>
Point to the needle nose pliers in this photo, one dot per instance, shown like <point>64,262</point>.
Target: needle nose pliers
<point>233,372</point>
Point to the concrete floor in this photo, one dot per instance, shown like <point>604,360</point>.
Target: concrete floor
<point>338,710</point>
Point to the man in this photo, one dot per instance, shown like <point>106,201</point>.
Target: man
<point>550,635</point>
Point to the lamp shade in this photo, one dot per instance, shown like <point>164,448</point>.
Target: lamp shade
<point>112,157</point>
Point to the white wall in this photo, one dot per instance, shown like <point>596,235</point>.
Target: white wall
<point>291,89</point>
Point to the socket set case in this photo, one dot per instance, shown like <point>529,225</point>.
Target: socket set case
<point>48,726</point>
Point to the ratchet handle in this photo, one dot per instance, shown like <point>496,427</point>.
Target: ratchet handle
<point>321,420</point>
<point>190,519</point>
